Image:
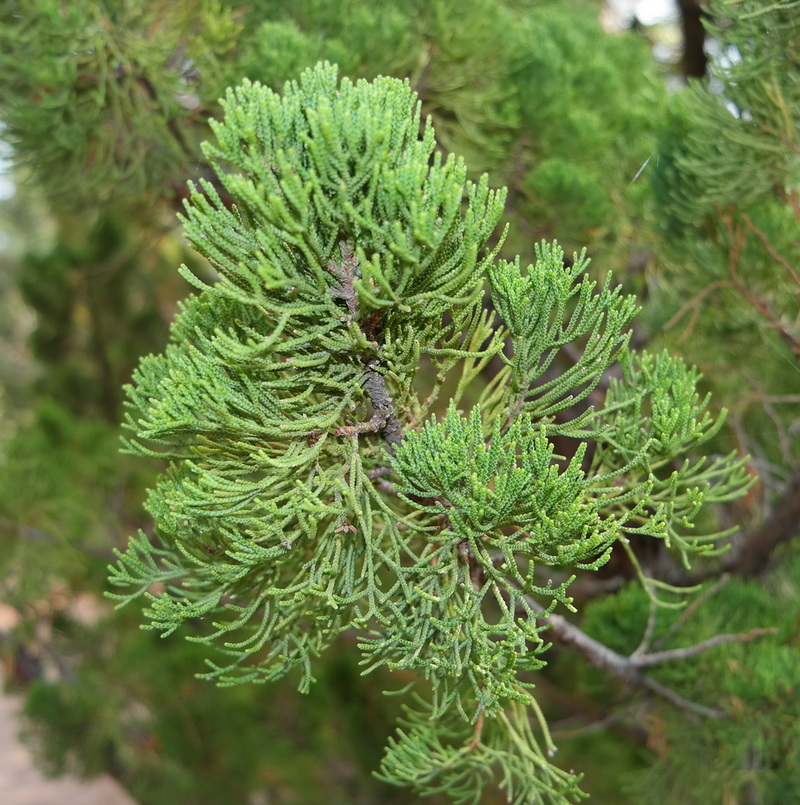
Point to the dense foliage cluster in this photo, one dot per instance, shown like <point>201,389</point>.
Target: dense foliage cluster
<point>493,465</point>
<point>313,487</point>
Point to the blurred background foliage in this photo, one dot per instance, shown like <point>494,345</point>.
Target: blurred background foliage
<point>688,192</point>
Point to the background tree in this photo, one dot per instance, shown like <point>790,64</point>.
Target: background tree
<point>104,105</point>
<point>724,287</point>
<point>742,235</point>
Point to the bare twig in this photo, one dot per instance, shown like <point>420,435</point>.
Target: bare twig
<point>379,472</point>
<point>561,730</point>
<point>692,608</point>
<point>627,669</point>
<point>694,303</point>
<point>386,487</point>
<point>658,657</point>
<point>778,258</point>
<point>623,668</point>
<point>684,704</point>
<point>644,645</point>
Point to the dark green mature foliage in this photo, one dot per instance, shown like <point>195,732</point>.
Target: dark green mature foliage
<point>57,506</point>
<point>99,98</point>
<point>110,100</point>
<point>157,729</point>
<point>312,489</point>
<point>751,119</point>
<point>753,751</point>
<point>727,180</point>
<point>97,280</point>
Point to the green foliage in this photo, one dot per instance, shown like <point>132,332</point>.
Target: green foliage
<point>310,488</point>
<point>534,308</point>
<point>752,120</point>
<point>752,752</point>
<point>104,72</point>
<point>159,732</point>
<point>65,494</point>
<point>527,110</point>
<point>726,180</point>
<point>110,100</point>
<point>459,760</point>
<point>362,39</point>
<point>96,280</point>
<point>60,481</point>
<point>655,408</point>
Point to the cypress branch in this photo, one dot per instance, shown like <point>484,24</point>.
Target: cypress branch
<point>312,489</point>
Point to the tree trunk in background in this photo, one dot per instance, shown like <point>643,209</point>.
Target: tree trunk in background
<point>694,37</point>
<point>781,526</point>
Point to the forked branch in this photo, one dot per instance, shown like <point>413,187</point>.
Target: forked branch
<point>628,669</point>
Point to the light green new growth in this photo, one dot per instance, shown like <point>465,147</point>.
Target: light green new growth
<point>312,488</point>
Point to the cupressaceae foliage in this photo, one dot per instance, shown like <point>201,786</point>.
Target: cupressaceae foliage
<point>339,460</point>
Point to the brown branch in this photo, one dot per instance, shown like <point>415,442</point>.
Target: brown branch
<point>477,734</point>
<point>778,258</point>
<point>375,386</point>
<point>384,420</point>
<point>379,472</point>
<point>694,60</point>
<point>781,526</point>
<point>794,202</point>
<point>346,272</point>
<point>737,237</point>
